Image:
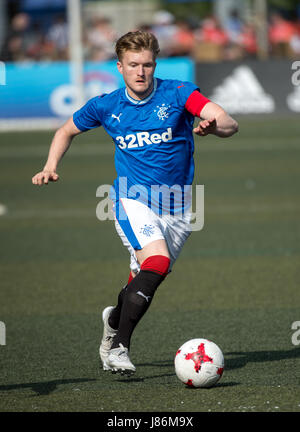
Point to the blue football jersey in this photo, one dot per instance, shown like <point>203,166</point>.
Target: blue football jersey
<point>153,139</point>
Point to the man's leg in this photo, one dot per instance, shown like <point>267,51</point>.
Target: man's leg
<point>115,314</point>
<point>151,259</point>
<point>136,298</point>
<point>157,247</point>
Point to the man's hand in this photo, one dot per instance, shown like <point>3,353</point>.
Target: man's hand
<point>44,177</point>
<point>60,144</point>
<point>216,121</point>
<point>206,127</point>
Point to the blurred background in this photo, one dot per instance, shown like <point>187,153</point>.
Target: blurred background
<point>59,53</point>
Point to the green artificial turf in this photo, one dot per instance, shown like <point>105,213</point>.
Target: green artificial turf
<point>236,281</point>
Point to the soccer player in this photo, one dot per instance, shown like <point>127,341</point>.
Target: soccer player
<point>151,123</point>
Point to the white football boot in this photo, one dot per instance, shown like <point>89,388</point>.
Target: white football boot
<point>107,338</point>
<point>119,361</point>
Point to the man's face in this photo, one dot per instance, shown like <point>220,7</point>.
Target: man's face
<point>137,69</point>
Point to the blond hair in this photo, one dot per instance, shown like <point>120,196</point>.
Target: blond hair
<point>137,41</point>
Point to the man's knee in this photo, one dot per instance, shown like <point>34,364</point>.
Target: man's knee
<point>158,264</point>
<point>157,247</point>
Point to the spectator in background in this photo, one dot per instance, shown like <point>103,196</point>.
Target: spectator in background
<point>247,40</point>
<point>295,41</point>
<point>29,40</point>
<point>39,49</point>
<point>20,39</point>
<point>165,30</point>
<point>211,41</point>
<point>211,31</point>
<point>281,33</point>
<point>57,39</point>
<point>183,39</point>
<point>100,39</point>
<point>233,26</point>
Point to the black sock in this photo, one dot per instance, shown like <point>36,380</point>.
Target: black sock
<point>136,299</point>
<point>114,317</point>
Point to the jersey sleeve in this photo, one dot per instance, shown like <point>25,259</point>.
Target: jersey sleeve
<point>184,90</point>
<point>195,103</point>
<point>89,116</point>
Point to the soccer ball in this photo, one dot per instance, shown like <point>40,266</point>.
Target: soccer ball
<point>199,363</point>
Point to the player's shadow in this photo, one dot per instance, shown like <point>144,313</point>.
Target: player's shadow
<point>150,377</point>
<point>240,359</point>
<point>158,364</point>
<point>43,388</point>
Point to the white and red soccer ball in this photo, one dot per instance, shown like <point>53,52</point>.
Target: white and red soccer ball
<point>199,363</point>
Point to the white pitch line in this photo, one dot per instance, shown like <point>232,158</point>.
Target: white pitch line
<point>3,209</point>
<point>96,149</point>
<point>37,152</point>
<point>50,214</point>
<point>259,208</point>
<point>91,213</point>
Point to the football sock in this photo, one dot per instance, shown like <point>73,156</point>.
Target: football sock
<point>138,295</point>
<point>114,317</point>
<point>129,278</point>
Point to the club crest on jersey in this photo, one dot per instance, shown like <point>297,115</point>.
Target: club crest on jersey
<point>162,111</point>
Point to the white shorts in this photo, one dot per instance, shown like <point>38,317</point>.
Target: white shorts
<point>142,226</point>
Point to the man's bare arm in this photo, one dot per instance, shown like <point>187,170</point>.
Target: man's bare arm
<point>60,144</point>
<point>215,121</point>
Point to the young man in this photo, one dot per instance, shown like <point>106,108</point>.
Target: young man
<point>151,123</point>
